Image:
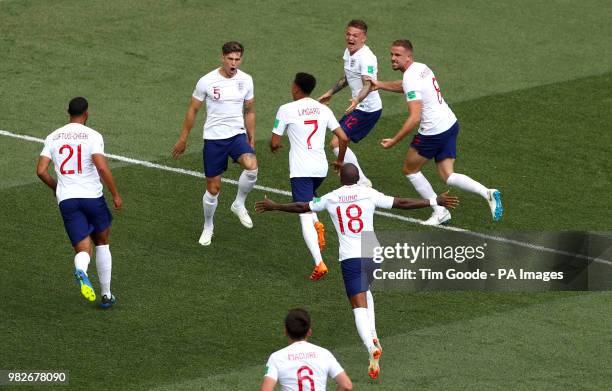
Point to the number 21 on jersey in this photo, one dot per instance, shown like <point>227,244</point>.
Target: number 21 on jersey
<point>67,148</point>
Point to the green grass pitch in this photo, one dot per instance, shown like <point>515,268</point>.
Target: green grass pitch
<point>530,81</point>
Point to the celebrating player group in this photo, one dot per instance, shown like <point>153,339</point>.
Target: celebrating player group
<point>77,153</point>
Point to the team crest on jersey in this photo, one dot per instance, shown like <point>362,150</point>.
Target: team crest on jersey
<point>352,63</point>
<point>240,86</point>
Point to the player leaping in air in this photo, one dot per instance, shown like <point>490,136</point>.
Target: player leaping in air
<point>360,68</point>
<point>351,208</point>
<point>305,120</point>
<point>437,134</point>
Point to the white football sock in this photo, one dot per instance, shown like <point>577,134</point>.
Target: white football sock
<point>315,218</point>
<point>104,265</point>
<point>245,185</point>
<point>371,315</point>
<point>350,157</point>
<point>466,183</point>
<point>362,321</point>
<point>310,237</point>
<point>209,203</point>
<point>81,261</point>
<point>423,187</point>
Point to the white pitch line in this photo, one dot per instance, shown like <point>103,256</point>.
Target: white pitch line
<point>199,174</point>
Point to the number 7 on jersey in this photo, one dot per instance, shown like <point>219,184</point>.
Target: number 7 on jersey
<point>316,127</point>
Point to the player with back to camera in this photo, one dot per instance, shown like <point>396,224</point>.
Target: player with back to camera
<point>305,120</point>
<point>77,152</point>
<point>302,366</point>
<point>360,68</point>
<point>437,135</point>
<point>351,208</point>
<point>229,131</point>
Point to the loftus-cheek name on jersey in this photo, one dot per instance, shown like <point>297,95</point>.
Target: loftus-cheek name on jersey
<point>301,356</point>
<point>70,136</point>
<point>309,111</point>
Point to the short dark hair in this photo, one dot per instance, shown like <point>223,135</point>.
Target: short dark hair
<point>231,47</point>
<point>358,23</point>
<point>297,323</point>
<point>77,106</point>
<point>349,174</point>
<point>406,44</point>
<point>305,81</point>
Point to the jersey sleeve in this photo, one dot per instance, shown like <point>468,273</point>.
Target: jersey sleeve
<point>271,369</point>
<point>368,66</point>
<point>200,90</point>
<point>46,152</point>
<point>412,88</point>
<point>250,89</point>
<point>318,204</point>
<point>381,200</point>
<point>334,368</point>
<point>279,122</point>
<point>332,122</point>
<point>97,146</point>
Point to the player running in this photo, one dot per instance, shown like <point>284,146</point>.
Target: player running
<point>302,365</point>
<point>351,208</point>
<point>77,153</point>
<point>437,134</point>
<point>305,121</point>
<point>229,131</point>
<point>360,68</point>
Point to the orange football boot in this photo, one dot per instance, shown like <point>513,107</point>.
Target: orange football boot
<point>319,271</point>
<point>320,234</point>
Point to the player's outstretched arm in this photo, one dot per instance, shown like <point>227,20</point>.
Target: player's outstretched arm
<point>392,86</point>
<point>410,203</point>
<point>99,161</point>
<point>343,141</point>
<point>249,120</point>
<point>340,84</point>
<point>343,382</point>
<point>190,117</point>
<point>42,170</point>
<point>365,90</point>
<point>267,205</point>
<point>414,117</point>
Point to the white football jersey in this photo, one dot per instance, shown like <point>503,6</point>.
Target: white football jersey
<point>306,121</point>
<point>224,103</point>
<point>420,83</point>
<point>362,63</point>
<point>71,148</point>
<point>302,366</point>
<point>352,210</point>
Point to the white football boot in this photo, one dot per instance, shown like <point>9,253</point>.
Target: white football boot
<point>439,218</point>
<point>206,237</point>
<point>243,215</point>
